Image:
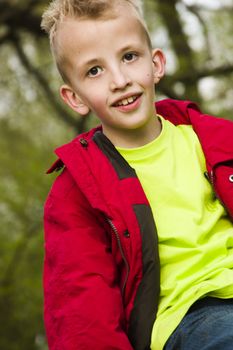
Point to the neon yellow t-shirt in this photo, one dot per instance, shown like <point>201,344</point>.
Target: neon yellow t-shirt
<point>195,233</point>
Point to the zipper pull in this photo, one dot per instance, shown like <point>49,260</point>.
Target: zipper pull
<point>209,176</point>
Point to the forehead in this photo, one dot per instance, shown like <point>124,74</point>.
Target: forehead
<point>79,36</point>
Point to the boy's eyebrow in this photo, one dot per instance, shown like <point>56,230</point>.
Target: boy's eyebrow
<point>91,62</point>
<point>128,48</point>
<point>97,60</point>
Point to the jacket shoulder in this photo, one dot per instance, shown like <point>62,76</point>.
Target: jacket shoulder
<point>176,111</point>
<point>81,138</point>
<point>62,184</point>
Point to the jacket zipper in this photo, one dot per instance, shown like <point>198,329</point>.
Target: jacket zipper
<point>212,183</point>
<point>210,178</point>
<point>114,229</point>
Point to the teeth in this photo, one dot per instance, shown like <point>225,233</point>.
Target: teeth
<point>127,101</point>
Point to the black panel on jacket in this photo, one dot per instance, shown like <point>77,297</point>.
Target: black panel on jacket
<point>143,315</point>
<point>146,301</point>
<point>120,165</point>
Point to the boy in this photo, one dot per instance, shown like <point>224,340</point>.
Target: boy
<point>135,235</point>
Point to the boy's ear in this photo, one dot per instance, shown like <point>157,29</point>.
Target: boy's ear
<point>159,61</point>
<point>73,100</point>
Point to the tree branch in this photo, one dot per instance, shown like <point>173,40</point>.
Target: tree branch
<point>20,17</point>
<point>196,12</point>
<point>202,7</point>
<point>193,77</point>
<point>79,123</point>
<point>179,42</point>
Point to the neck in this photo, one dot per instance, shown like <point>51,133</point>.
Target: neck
<point>136,137</point>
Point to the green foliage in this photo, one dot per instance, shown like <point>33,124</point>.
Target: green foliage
<point>29,132</point>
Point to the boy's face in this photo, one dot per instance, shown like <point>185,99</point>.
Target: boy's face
<point>112,71</point>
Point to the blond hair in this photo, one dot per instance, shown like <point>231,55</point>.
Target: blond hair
<point>58,10</point>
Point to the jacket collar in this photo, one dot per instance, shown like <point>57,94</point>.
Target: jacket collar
<point>215,134</point>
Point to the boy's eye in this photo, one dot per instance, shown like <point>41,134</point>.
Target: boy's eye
<point>130,56</point>
<point>94,71</point>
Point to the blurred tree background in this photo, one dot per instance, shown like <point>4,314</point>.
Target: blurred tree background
<point>197,39</point>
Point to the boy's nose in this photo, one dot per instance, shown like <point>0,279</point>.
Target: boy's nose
<point>119,80</point>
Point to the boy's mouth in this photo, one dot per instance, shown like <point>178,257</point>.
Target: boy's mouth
<point>126,101</point>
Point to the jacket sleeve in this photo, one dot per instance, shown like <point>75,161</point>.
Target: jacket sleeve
<point>83,304</point>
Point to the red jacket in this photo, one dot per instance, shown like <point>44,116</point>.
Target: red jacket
<point>101,275</point>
